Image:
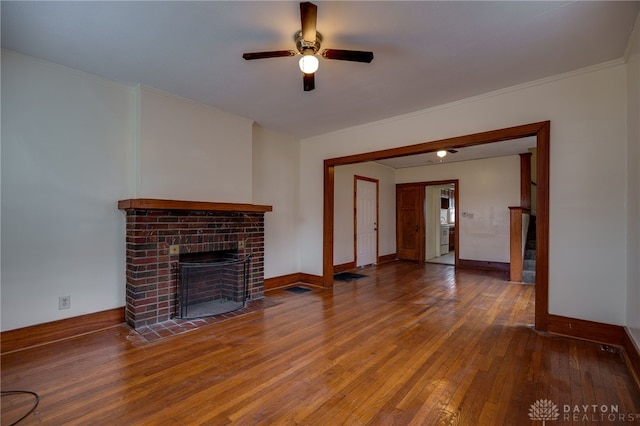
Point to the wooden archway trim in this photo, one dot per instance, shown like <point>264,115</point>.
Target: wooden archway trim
<point>541,130</point>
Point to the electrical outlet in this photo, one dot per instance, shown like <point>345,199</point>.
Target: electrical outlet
<point>64,302</point>
<point>174,249</point>
<point>241,244</point>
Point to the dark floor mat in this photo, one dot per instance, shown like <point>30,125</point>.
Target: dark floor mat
<point>347,276</point>
<point>297,289</point>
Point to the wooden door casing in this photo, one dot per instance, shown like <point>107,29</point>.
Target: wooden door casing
<point>540,130</point>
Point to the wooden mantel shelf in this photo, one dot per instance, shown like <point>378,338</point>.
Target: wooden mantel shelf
<point>156,204</point>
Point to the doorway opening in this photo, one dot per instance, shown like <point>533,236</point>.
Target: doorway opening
<point>426,215</point>
<point>539,130</point>
<point>440,223</point>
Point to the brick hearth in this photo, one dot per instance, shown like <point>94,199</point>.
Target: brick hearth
<point>157,231</point>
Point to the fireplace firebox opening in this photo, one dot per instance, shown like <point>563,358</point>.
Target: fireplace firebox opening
<point>211,283</point>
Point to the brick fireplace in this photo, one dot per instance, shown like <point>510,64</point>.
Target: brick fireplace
<point>158,231</point>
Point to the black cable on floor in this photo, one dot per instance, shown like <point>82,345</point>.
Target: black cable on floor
<point>18,392</point>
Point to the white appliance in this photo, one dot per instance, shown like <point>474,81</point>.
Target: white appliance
<point>444,239</point>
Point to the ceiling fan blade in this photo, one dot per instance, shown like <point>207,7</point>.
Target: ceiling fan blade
<point>308,19</point>
<point>271,54</point>
<point>348,55</point>
<point>309,82</point>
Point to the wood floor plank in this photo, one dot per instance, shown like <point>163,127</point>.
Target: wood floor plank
<point>407,344</point>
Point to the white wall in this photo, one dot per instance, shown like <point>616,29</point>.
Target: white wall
<point>587,109</point>
<point>74,144</point>
<point>633,184</point>
<point>275,183</point>
<point>343,244</point>
<point>189,151</point>
<point>486,189</point>
<point>67,144</point>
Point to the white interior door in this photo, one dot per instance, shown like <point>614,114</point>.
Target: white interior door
<point>366,223</point>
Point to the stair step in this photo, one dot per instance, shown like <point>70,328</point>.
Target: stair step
<point>530,254</point>
<point>529,277</point>
<point>529,265</point>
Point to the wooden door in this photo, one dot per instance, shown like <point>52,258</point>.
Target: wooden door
<point>410,222</point>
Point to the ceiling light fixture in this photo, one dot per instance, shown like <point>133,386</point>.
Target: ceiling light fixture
<point>441,154</point>
<point>309,63</point>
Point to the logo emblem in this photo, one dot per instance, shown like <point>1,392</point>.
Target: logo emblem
<point>543,409</point>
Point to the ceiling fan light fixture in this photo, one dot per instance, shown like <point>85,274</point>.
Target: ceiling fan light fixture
<point>309,63</point>
<point>308,41</point>
<point>441,154</point>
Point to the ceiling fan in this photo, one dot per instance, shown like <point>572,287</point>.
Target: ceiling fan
<point>443,153</point>
<point>308,42</point>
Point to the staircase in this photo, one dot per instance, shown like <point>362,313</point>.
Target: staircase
<point>529,266</point>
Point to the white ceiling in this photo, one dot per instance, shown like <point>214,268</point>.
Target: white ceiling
<point>426,53</point>
<point>491,150</point>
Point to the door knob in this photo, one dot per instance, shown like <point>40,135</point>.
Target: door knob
<point>417,228</point>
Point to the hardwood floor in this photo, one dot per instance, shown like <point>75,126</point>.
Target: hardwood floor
<point>409,344</point>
